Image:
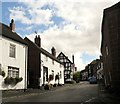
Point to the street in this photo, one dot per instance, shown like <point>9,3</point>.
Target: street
<point>82,92</point>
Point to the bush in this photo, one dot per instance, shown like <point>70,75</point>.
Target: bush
<point>76,77</point>
<point>55,85</point>
<point>10,80</point>
<point>47,87</point>
<point>7,80</point>
<point>2,73</point>
<point>18,79</point>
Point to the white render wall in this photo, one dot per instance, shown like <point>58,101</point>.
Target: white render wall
<point>19,62</point>
<point>55,67</point>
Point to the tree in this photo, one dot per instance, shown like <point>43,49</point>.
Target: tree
<point>76,76</point>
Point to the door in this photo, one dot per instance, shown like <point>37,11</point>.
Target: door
<point>45,74</point>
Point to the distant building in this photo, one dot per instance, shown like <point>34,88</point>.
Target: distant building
<point>84,75</point>
<point>90,70</point>
<point>13,58</point>
<point>43,67</point>
<point>100,73</point>
<point>110,46</point>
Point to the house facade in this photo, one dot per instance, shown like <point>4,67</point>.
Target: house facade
<point>69,66</point>
<point>84,75</point>
<point>43,67</point>
<point>13,59</point>
<point>110,46</point>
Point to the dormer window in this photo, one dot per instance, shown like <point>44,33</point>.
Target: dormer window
<point>12,51</point>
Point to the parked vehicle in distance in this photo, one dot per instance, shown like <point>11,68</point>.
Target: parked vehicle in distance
<point>70,81</point>
<point>92,80</point>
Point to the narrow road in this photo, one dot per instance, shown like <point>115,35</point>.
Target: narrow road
<point>81,92</point>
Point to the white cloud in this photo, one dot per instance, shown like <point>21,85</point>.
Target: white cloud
<point>31,13</point>
<point>80,33</point>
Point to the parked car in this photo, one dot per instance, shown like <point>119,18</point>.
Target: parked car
<point>70,81</point>
<point>92,80</point>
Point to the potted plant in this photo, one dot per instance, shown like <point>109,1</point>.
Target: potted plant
<point>51,77</point>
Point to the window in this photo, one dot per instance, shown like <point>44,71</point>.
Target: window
<point>12,50</point>
<point>13,72</point>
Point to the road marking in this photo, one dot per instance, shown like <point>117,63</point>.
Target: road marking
<point>90,99</point>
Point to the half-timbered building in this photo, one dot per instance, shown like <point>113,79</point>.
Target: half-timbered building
<point>68,66</point>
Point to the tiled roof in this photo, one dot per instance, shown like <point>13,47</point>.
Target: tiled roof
<point>42,50</point>
<point>7,32</point>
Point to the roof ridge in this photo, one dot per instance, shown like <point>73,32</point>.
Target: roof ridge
<point>44,51</point>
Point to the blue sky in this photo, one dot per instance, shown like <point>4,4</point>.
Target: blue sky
<point>71,27</point>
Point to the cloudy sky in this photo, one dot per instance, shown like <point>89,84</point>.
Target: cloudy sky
<point>71,26</point>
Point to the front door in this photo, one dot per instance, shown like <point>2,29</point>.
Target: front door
<point>45,74</point>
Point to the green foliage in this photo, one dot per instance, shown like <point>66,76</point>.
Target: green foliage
<point>76,76</point>
<point>18,79</point>
<point>7,80</point>
<point>2,73</point>
<point>10,80</point>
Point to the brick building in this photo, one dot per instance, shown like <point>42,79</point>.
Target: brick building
<point>110,46</point>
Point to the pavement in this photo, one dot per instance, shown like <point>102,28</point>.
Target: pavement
<point>8,94</point>
<point>107,97</point>
<point>103,95</point>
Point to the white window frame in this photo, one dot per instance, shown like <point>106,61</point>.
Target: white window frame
<point>13,72</point>
<point>12,51</point>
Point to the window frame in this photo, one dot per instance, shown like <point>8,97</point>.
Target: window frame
<point>12,51</point>
<point>13,72</point>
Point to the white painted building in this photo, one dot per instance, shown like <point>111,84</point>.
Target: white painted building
<point>13,59</point>
<point>54,68</point>
<point>42,65</point>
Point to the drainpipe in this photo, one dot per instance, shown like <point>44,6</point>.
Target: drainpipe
<point>26,54</point>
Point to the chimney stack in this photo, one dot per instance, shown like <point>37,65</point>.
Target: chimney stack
<point>12,25</point>
<point>38,40</point>
<point>53,51</point>
<point>73,58</point>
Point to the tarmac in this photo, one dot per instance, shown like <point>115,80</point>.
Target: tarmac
<point>103,96</point>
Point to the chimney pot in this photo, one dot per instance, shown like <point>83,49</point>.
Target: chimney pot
<point>53,51</point>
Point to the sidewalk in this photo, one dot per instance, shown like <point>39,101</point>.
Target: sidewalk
<point>19,93</point>
<point>107,97</point>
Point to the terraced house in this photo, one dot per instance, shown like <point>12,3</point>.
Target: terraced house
<point>43,67</point>
<point>13,58</point>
